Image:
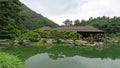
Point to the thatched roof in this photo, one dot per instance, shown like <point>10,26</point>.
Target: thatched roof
<point>46,28</point>
<point>81,29</point>
<point>75,28</point>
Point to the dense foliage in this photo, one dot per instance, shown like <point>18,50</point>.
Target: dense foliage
<point>10,21</point>
<point>9,61</point>
<point>29,35</point>
<point>41,35</point>
<point>59,34</point>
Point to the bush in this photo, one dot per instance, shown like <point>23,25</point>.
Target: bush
<point>59,34</point>
<point>90,39</point>
<point>30,35</point>
<point>43,34</point>
<point>9,61</point>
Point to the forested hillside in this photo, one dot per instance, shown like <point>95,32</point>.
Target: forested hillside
<point>15,17</point>
<point>34,20</point>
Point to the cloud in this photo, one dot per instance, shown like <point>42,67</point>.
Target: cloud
<point>60,10</point>
<point>56,7</point>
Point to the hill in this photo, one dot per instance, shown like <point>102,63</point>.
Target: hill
<point>34,20</point>
<point>15,17</point>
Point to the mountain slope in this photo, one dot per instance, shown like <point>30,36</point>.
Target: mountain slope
<point>34,20</point>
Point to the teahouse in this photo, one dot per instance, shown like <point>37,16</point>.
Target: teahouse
<point>85,31</point>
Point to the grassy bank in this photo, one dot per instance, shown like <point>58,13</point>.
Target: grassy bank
<point>55,51</point>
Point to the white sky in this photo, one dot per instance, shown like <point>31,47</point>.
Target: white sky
<point>60,10</point>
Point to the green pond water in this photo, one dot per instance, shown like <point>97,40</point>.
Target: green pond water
<point>48,60</point>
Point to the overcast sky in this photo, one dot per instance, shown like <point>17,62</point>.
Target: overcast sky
<point>60,10</point>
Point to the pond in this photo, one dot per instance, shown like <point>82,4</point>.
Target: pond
<point>49,60</point>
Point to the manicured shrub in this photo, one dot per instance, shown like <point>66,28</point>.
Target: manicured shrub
<point>59,34</point>
<point>10,61</point>
<point>44,34</point>
<point>30,35</point>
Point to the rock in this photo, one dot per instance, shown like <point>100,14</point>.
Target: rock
<point>62,40</point>
<point>42,39</point>
<point>80,42</point>
<point>100,44</point>
<point>16,43</point>
<point>87,44</point>
<point>112,41</point>
<point>4,44</point>
<point>49,41</point>
<point>70,41</point>
<point>94,44</point>
<point>25,43</point>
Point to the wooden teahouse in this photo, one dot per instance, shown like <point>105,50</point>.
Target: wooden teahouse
<point>85,31</point>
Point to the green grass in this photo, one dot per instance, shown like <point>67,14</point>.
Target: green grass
<point>10,61</point>
<point>37,43</point>
<point>109,51</point>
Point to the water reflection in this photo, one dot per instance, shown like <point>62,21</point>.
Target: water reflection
<point>61,52</point>
<point>49,60</point>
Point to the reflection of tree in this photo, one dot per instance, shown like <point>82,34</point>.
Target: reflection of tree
<point>60,52</point>
<point>56,55</point>
<point>56,52</point>
<point>91,52</point>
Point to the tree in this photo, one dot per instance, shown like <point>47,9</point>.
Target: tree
<point>76,22</point>
<point>68,22</point>
<point>29,35</point>
<point>10,21</point>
